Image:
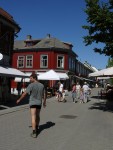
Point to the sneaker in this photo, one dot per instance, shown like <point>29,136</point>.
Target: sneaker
<point>34,135</point>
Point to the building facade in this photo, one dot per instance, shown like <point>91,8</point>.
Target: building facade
<point>41,55</point>
<point>8,30</point>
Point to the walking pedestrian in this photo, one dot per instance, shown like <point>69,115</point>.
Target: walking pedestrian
<point>85,91</point>
<point>78,87</point>
<point>81,96</point>
<point>36,91</point>
<point>60,91</point>
<point>74,93</point>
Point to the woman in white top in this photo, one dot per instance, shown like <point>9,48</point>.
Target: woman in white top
<point>78,87</point>
<point>60,91</point>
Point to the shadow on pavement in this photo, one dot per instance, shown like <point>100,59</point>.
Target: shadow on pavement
<point>104,106</point>
<point>45,126</point>
<point>99,97</point>
<point>2,108</point>
<point>96,97</point>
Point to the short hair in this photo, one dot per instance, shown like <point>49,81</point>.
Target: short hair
<point>34,76</point>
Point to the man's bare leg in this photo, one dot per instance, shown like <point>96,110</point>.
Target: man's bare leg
<point>33,118</point>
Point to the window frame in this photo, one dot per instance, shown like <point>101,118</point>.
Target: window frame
<point>31,60</point>
<point>62,66</point>
<point>23,62</point>
<point>41,63</point>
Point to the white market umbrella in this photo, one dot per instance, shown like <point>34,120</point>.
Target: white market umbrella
<point>103,78</point>
<point>97,73</point>
<point>49,75</point>
<point>11,72</point>
<point>109,72</point>
<point>63,76</point>
<point>102,73</point>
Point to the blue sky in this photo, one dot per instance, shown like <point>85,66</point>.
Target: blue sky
<point>63,19</point>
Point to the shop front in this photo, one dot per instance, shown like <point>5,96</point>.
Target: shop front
<point>8,74</point>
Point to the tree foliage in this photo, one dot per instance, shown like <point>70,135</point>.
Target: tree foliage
<point>100,25</point>
<point>110,63</point>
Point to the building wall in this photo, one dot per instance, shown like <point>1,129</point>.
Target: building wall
<point>52,60</point>
<point>6,42</point>
<point>7,30</point>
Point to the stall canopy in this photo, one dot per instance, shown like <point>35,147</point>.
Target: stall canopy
<point>52,75</point>
<point>20,79</point>
<point>11,72</point>
<point>103,78</point>
<point>81,78</point>
<point>49,75</point>
<point>102,73</point>
<point>63,76</point>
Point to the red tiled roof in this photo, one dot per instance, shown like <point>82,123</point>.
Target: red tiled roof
<point>6,15</point>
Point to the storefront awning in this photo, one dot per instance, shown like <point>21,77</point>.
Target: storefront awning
<point>44,76</point>
<point>81,78</point>
<point>63,76</point>
<point>19,79</point>
<point>53,75</point>
<point>11,72</point>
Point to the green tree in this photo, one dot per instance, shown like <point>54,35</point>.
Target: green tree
<point>100,25</point>
<point>110,62</point>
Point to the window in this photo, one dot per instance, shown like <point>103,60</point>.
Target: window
<point>70,64</point>
<point>20,61</point>
<point>60,61</point>
<point>29,43</point>
<point>44,61</point>
<point>29,61</point>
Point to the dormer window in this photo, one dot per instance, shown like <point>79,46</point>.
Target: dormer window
<point>29,43</point>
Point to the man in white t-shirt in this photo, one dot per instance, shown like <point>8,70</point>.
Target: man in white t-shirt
<point>85,92</point>
<point>60,91</point>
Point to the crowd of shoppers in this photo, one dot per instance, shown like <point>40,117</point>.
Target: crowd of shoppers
<point>80,93</point>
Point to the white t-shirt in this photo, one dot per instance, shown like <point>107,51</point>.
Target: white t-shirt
<point>85,88</point>
<point>61,87</point>
<point>78,87</point>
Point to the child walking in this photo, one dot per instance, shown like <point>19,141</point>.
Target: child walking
<point>74,93</point>
<point>81,96</point>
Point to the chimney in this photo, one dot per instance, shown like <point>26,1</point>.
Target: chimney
<point>48,36</point>
<point>28,38</point>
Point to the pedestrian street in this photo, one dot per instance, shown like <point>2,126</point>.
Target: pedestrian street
<point>63,126</point>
